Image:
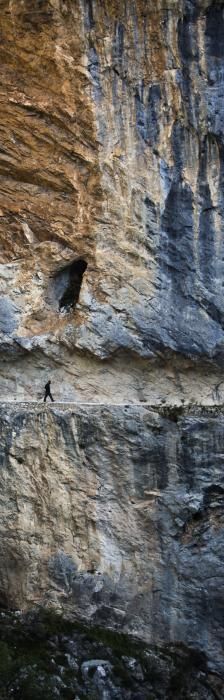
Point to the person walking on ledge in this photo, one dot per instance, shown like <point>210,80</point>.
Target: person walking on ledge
<point>48,391</point>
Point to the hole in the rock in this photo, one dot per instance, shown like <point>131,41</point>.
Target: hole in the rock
<point>4,602</point>
<point>67,284</point>
<point>197,516</point>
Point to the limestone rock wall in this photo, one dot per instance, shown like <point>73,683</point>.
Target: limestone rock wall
<point>112,152</point>
<point>116,515</point>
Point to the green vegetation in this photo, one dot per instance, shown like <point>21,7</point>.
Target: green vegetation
<point>41,656</point>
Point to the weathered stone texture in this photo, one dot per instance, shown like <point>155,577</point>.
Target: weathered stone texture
<point>112,157</point>
<point>112,152</point>
<point>116,515</point>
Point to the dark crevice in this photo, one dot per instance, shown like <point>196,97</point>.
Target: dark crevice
<point>67,284</point>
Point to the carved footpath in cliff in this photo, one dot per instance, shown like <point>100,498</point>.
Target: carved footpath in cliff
<point>115,515</point>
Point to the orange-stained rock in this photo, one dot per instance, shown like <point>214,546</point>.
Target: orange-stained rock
<point>111,152</point>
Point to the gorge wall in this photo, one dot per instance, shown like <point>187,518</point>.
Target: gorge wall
<point>115,515</point>
<point>112,155</point>
<point>111,284</point>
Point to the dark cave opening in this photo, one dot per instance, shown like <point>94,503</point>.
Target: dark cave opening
<point>67,284</point>
<point>4,601</point>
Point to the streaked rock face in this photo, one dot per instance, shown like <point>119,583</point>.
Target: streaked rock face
<point>112,154</point>
<point>116,515</point>
<point>111,285</point>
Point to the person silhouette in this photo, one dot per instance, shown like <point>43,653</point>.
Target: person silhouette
<point>48,391</point>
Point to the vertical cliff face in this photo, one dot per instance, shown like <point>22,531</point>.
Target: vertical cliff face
<point>115,515</point>
<point>111,284</point>
<point>112,157</point>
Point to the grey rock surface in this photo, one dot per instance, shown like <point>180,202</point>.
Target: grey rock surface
<point>116,515</point>
<point>114,155</point>
<point>8,315</point>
